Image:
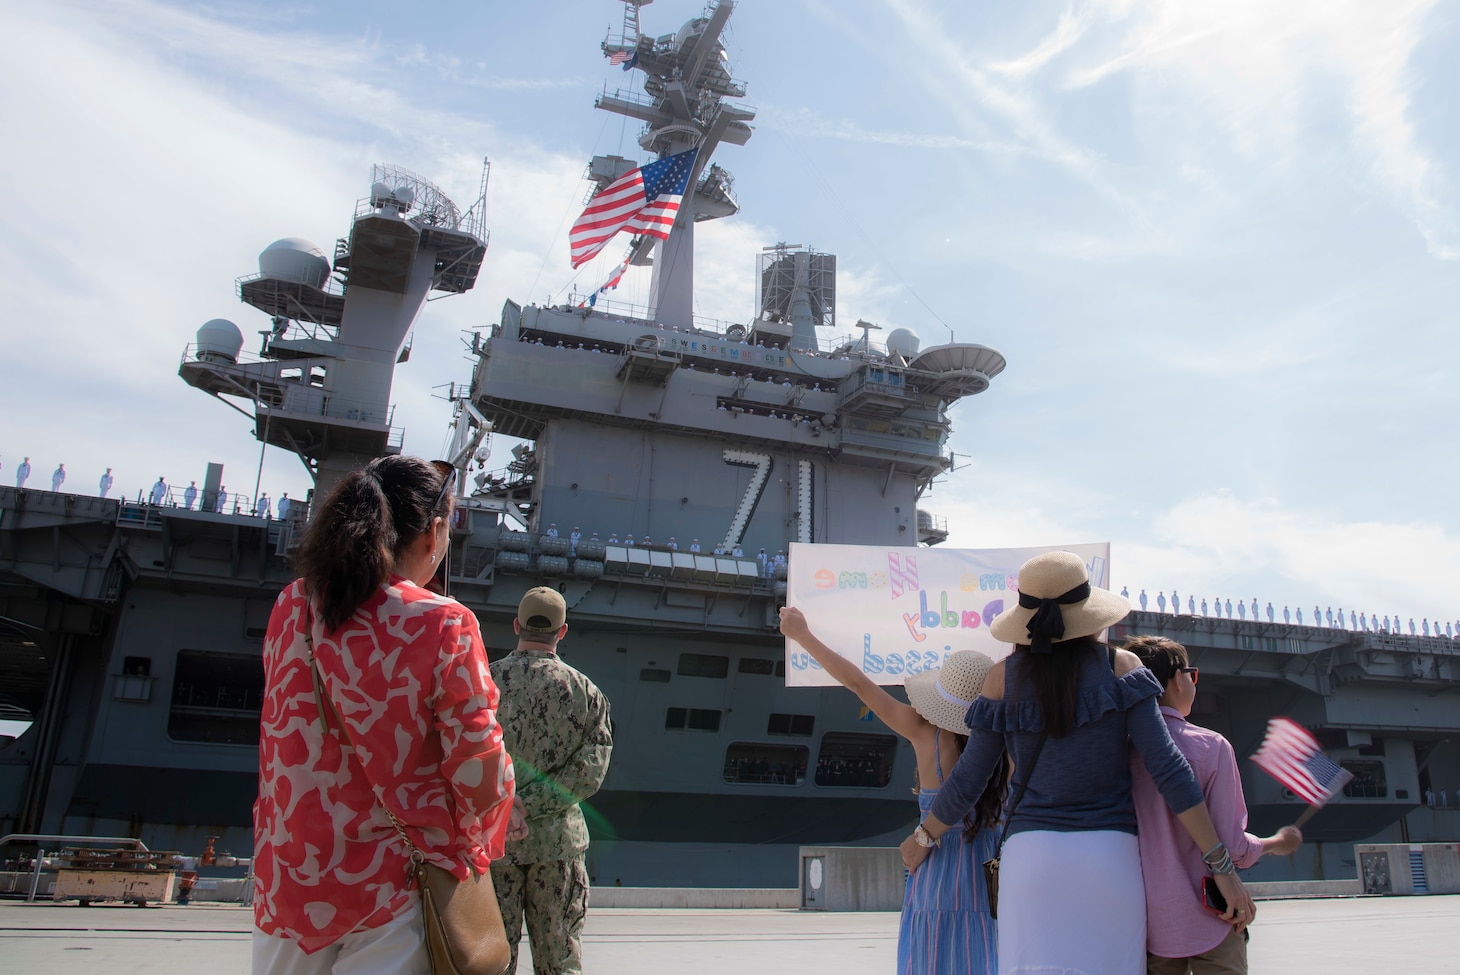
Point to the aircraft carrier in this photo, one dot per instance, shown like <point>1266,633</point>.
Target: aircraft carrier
<point>652,465</point>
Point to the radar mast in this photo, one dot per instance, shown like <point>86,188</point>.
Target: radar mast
<point>686,82</point>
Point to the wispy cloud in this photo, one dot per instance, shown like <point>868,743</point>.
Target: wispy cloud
<point>1265,73</point>
<point>805,123</point>
<point>1066,32</point>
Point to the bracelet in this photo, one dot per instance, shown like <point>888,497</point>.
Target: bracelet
<point>1219,860</point>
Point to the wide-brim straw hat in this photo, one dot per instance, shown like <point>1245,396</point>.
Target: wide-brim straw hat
<point>1056,587</point>
<point>943,696</point>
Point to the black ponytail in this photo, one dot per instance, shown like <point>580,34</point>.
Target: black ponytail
<point>363,526</point>
<point>1055,679</point>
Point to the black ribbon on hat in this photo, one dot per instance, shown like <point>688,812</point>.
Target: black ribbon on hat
<point>1047,625</point>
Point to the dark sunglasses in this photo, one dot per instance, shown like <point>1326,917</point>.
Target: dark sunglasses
<point>1189,670</point>
<point>448,478</point>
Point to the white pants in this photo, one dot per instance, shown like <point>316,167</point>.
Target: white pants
<point>395,948</point>
<point>1071,904</point>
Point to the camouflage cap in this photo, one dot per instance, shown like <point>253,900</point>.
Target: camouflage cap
<point>542,610</point>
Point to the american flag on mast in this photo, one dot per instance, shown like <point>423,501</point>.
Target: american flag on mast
<point>1291,755</point>
<point>644,200</point>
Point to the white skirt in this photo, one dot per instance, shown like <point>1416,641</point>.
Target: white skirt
<point>1071,904</point>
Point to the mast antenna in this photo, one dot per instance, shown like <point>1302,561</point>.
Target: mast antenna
<point>631,21</point>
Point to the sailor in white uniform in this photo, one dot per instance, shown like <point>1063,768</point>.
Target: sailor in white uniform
<point>58,477</point>
<point>284,506</point>
<point>159,491</point>
<point>22,472</point>
<point>190,495</point>
<point>106,483</point>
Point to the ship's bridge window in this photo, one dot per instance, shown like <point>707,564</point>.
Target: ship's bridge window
<point>654,675</point>
<point>1369,781</point>
<point>753,763</point>
<point>216,697</point>
<point>692,719</point>
<point>703,665</point>
<point>762,666</point>
<point>790,724</point>
<point>852,760</point>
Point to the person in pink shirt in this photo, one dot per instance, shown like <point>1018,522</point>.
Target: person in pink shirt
<point>1181,935</point>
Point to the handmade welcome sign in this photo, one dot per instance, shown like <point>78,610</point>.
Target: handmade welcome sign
<point>900,611</point>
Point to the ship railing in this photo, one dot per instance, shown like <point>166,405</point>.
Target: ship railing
<point>146,512</point>
<point>282,371</point>
<point>143,513</point>
<point>190,354</point>
<point>854,345</point>
<point>627,312</point>
<point>333,286</point>
<point>434,219</point>
<point>310,400</point>
<point>628,95</point>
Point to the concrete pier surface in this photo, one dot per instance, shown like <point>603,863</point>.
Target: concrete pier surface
<point>1336,936</point>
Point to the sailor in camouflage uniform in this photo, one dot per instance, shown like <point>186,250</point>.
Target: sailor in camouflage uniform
<point>555,726</point>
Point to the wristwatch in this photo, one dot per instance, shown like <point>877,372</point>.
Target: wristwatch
<point>923,838</point>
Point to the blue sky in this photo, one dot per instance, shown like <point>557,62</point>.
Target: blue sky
<point>1217,240</point>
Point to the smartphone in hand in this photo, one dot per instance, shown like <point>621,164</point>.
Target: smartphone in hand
<point>1211,896</point>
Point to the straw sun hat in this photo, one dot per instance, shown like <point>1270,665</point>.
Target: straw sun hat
<point>1057,603</point>
<point>944,696</point>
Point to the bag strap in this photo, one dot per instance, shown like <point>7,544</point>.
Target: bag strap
<point>1009,820</point>
<point>324,703</point>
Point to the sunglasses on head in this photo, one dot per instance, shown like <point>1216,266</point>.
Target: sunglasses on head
<point>448,478</point>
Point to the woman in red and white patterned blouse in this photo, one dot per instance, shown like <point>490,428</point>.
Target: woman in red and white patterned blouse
<point>407,672</point>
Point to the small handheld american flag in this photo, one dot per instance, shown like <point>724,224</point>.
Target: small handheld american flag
<point>1291,755</point>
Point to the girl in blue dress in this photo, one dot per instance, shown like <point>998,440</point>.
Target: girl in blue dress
<point>946,928</point>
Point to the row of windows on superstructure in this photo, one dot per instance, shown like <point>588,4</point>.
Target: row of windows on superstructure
<point>844,760</point>
<point>708,719</point>
<point>715,666</point>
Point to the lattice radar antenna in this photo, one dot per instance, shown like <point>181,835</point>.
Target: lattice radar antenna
<point>392,186</point>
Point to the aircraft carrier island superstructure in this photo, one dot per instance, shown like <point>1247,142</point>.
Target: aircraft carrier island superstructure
<point>654,467</point>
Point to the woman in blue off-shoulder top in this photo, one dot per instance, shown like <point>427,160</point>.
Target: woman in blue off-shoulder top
<point>1068,708</point>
